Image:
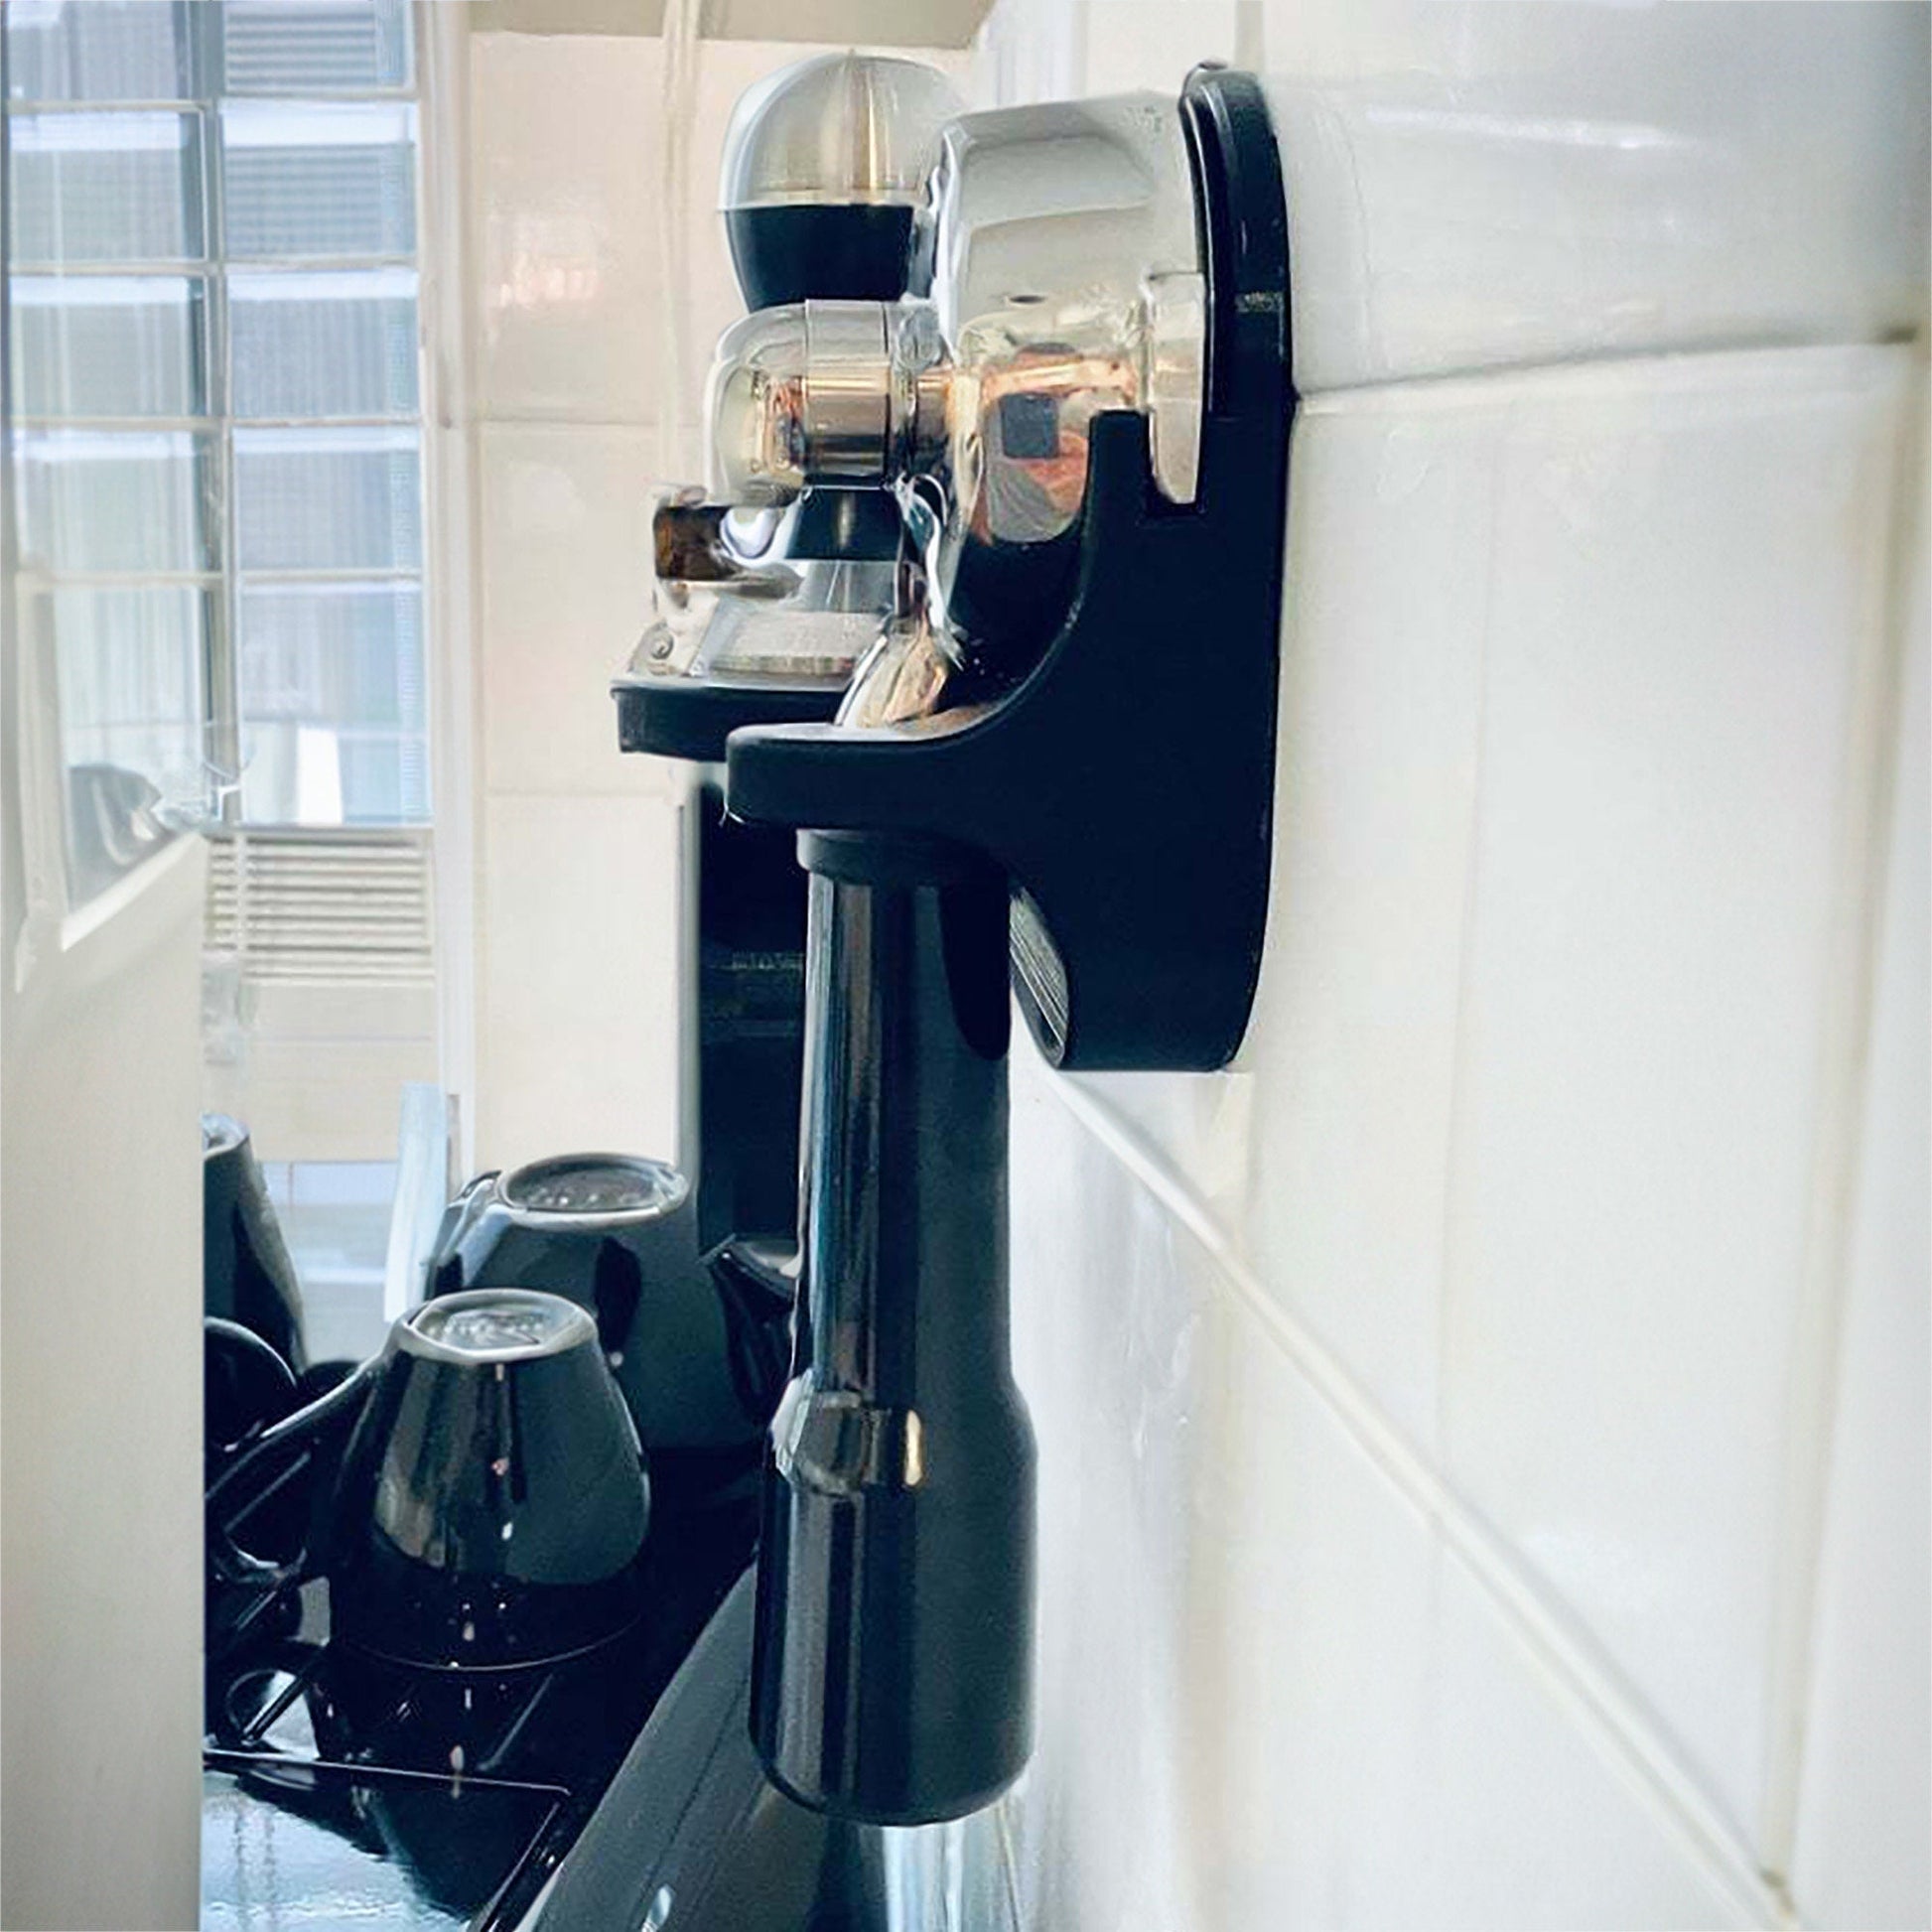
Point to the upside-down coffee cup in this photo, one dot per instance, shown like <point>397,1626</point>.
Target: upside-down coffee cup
<point>494,1501</point>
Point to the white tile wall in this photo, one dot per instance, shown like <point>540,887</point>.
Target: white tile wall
<point>566,210</point>
<point>1675,635</point>
<point>1431,1439</point>
<point>575,888</point>
<point>1862,1853</point>
<point>1270,1694</point>
<point>1477,187</point>
<point>1525,1133</point>
<point>577,994</point>
<point>566,586</point>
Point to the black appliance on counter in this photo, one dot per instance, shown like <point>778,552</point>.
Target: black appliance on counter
<point>1048,784</point>
<point>365,1548</point>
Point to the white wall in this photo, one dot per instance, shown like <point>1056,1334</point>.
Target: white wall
<point>100,1404</point>
<point>1483,1436</point>
<point>575,869</point>
<point>100,1351</point>
<point>1863,1787</point>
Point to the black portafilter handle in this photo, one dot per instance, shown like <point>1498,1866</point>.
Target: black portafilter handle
<point>892,1670</point>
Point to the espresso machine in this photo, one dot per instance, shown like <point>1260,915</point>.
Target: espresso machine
<point>1049,772</point>
<point>1045,772</point>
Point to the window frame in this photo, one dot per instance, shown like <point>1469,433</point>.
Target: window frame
<point>224,579</point>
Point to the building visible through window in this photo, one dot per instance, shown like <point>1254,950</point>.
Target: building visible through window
<point>215,382</point>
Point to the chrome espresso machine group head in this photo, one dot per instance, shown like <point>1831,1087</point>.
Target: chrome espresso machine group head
<point>981,598</point>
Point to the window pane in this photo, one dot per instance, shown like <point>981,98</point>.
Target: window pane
<point>96,50</point>
<point>320,179</point>
<point>107,345</point>
<point>334,727</point>
<point>325,345</point>
<point>106,500</point>
<point>129,676</point>
<point>328,499</point>
<point>335,1217</point>
<point>104,188</point>
<point>297,47</point>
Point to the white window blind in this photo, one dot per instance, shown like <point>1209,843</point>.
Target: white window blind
<point>323,908</point>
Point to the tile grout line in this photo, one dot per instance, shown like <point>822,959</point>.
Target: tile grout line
<point>1625,1731</point>
<point>1457,1111</point>
<point>1682,368</point>
<point>1862,840</point>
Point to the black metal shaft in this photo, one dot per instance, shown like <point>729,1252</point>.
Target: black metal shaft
<point>892,1670</point>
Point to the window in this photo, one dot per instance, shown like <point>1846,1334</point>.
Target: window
<point>220,452</point>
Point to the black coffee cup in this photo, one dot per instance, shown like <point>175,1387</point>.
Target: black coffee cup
<point>493,1503</point>
<point>699,1342</point>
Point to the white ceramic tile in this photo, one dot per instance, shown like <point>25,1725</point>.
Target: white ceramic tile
<point>1323,1153</point>
<point>577,1041</point>
<point>1866,1786</point>
<point>566,593</point>
<point>1687,574</point>
<point>1606,592</point>
<point>568,167</point>
<point>1202,1125</point>
<point>1475,186</point>
<point>1352,1041</point>
<point>1268,1694</point>
<point>563,154</point>
<point>1134,44</point>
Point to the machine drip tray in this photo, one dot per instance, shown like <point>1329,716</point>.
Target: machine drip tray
<point>290,1842</point>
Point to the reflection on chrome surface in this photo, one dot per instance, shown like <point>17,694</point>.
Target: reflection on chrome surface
<point>1066,282</point>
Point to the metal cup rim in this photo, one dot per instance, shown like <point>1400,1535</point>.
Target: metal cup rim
<point>505,1184</point>
<point>572,1331</point>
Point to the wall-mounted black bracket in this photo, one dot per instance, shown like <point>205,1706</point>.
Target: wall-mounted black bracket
<point>1127,785</point>
<point>691,718</point>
